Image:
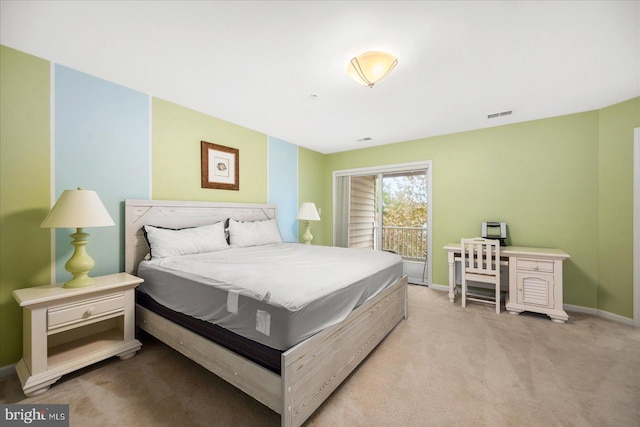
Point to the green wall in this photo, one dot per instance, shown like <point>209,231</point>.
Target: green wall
<point>25,249</point>
<point>557,182</point>
<point>177,132</point>
<point>311,165</point>
<point>615,209</point>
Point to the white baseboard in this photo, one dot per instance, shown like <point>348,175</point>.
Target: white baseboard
<point>439,287</point>
<point>7,371</point>
<point>599,313</point>
<point>570,307</point>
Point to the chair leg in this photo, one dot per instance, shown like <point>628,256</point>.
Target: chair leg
<point>464,293</point>
<point>498,298</point>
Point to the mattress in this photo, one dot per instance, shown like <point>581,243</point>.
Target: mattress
<point>264,356</point>
<point>276,295</point>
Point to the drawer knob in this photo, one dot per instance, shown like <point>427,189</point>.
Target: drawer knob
<point>91,310</point>
<point>535,267</point>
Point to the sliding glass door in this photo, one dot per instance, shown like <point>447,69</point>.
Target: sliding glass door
<point>403,228</point>
<point>386,208</point>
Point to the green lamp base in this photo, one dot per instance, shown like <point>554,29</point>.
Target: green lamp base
<point>80,263</point>
<point>307,236</point>
<point>80,281</point>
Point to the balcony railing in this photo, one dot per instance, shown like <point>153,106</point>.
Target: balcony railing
<point>408,242</point>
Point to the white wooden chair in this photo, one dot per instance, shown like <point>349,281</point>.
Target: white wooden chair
<point>480,262</point>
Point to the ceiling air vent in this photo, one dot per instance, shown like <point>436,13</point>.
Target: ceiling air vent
<point>504,113</point>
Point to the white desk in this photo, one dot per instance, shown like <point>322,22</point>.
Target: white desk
<point>535,279</point>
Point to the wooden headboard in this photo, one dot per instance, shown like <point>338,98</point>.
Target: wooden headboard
<point>180,214</point>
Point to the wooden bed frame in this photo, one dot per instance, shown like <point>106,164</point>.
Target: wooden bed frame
<point>312,369</point>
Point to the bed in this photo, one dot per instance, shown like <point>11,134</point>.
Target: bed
<point>308,371</point>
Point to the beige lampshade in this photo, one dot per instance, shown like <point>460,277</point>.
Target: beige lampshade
<point>371,67</point>
<point>308,212</point>
<point>78,209</point>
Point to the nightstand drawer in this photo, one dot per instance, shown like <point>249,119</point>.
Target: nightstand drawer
<point>534,265</point>
<point>70,314</point>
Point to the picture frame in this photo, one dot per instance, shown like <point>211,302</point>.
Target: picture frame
<point>220,166</point>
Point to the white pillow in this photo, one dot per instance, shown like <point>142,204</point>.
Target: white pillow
<point>164,242</point>
<point>254,233</point>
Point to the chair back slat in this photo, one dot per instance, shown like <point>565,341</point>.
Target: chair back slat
<point>480,256</point>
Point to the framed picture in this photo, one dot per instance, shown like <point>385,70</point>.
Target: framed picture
<point>220,166</point>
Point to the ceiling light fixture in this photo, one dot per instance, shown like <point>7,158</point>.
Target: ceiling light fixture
<point>371,67</point>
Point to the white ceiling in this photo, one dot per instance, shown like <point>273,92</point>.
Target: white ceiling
<point>258,63</point>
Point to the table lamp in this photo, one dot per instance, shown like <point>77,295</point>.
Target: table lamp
<point>78,209</point>
<point>308,212</point>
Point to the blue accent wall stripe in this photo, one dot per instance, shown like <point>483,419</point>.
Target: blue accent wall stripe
<point>283,185</point>
<point>102,143</point>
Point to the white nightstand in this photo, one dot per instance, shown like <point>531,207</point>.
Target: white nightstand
<point>65,329</point>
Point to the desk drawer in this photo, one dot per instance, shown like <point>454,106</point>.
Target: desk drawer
<point>70,314</point>
<point>534,265</point>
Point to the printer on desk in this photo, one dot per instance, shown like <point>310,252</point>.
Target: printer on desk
<point>495,230</point>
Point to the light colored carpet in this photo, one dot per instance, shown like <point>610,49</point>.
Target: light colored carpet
<point>444,366</point>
